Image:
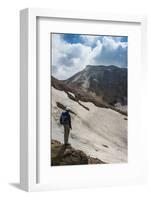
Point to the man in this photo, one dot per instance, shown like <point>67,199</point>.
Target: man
<point>65,120</point>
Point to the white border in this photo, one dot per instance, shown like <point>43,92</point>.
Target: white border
<point>28,82</point>
<point>74,175</point>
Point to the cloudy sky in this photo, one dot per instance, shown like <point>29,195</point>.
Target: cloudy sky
<point>72,52</point>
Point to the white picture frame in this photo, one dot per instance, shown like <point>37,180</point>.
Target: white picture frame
<point>28,92</point>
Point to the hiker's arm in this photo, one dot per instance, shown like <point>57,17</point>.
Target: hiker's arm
<point>70,121</point>
<point>61,119</point>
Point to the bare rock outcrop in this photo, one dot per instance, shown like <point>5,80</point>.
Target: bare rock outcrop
<point>66,155</point>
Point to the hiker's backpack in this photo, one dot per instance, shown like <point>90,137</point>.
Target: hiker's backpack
<point>64,119</point>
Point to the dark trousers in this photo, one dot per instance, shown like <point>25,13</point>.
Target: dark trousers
<point>66,133</point>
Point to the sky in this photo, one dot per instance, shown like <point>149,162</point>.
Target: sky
<point>72,52</point>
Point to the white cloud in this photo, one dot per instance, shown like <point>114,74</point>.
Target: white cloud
<point>68,59</point>
<point>90,39</point>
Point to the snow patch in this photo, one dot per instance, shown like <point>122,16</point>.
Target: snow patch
<point>92,130</point>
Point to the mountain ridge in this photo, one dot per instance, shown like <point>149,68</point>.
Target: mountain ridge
<point>105,86</point>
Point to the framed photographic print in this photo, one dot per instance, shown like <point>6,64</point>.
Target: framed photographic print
<point>81,80</point>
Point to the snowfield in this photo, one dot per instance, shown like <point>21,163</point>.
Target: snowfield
<point>99,132</point>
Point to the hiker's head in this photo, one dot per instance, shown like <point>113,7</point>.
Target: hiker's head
<point>67,109</point>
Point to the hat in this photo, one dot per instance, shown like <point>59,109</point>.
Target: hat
<point>67,108</point>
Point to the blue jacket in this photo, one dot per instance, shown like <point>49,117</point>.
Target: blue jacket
<point>65,118</point>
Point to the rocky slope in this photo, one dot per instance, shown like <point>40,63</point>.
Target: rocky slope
<point>97,131</point>
<point>105,86</point>
<point>67,155</point>
<point>108,82</point>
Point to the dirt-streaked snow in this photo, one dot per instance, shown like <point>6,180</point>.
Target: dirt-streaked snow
<point>99,132</point>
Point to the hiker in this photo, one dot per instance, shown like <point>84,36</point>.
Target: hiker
<point>65,120</point>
